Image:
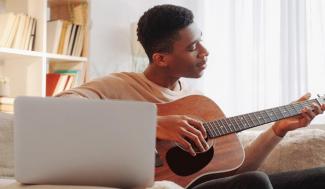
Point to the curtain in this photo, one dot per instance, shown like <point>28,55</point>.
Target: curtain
<point>260,52</point>
<point>315,16</point>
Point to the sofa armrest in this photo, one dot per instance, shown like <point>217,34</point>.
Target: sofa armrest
<point>299,149</point>
<point>6,145</point>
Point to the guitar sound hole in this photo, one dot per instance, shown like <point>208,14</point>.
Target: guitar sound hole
<point>183,164</point>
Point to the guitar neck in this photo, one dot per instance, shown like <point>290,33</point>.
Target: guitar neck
<point>239,123</point>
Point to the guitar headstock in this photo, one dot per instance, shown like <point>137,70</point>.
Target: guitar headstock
<point>321,99</point>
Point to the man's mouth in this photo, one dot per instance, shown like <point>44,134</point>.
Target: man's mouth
<point>202,65</point>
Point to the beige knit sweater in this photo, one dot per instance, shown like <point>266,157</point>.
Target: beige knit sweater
<point>135,86</point>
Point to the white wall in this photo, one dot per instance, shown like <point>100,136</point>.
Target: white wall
<point>110,35</point>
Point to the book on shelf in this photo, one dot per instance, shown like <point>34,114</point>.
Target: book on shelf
<point>6,100</point>
<point>64,32</point>
<point>12,28</point>
<point>51,82</point>
<point>7,20</point>
<point>56,83</point>
<point>67,38</point>
<point>20,31</point>
<point>64,37</point>
<point>74,74</point>
<point>7,104</point>
<point>79,42</point>
<point>74,40</point>
<point>31,41</point>
<point>71,39</point>
<point>53,35</point>
<point>76,69</point>
<point>17,30</point>
<point>9,108</point>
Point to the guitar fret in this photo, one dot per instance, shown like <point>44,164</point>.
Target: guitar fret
<point>300,106</point>
<point>229,125</point>
<point>221,127</point>
<point>265,117</point>
<point>243,121</point>
<point>284,111</point>
<point>271,114</point>
<point>292,111</point>
<point>279,113</point>
<point>215,129</point>
<point>248,124</point>
<point>234,123</point>
<point>289,110</point>
<point>270,120</point>
<point>224,126</point>
<point>295,108</point>
<point>276,113</point>
<point>237,123</point>
<point>258,118</point>
<point>240,124</point>
<point>253,118</point>
<point>262,117</point>
<point>208,130</point>
<point>250,121</point>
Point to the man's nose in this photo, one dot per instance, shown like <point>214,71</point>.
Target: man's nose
<point>203,52</point>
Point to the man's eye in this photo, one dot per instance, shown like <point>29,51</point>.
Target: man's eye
<point>192,47</point>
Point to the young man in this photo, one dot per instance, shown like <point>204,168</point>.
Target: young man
<point>172,42</point>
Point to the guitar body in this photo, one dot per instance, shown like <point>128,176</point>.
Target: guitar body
<point>225,155</point>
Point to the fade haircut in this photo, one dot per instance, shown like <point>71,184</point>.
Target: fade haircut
<point>158,28</point>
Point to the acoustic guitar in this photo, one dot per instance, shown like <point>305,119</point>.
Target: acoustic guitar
<point>225,154</point>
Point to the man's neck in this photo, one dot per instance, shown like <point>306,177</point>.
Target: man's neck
<point>161,77</point>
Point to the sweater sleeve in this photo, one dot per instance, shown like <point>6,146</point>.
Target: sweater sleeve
<point>79,92</point>
<point>258,150</point>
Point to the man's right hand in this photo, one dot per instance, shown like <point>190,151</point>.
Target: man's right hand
<point>178,127</point>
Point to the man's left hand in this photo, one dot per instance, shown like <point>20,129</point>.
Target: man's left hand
<point>281,128</point>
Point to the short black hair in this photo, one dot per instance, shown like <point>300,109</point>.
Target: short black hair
<point>158,27</point>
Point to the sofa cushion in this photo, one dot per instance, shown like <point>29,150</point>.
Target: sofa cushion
<point>299,149</point>
<point>6,145</point>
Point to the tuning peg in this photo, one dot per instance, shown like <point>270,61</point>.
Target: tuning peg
<point>318,95</point>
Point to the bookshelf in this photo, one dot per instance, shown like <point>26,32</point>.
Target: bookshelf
<point>26,70</point>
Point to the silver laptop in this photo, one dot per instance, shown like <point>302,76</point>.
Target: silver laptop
<point>84,142</point>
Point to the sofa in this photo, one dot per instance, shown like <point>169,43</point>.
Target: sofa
<point>300,149</point>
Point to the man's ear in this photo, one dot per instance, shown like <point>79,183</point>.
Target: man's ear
<point>160,59</point>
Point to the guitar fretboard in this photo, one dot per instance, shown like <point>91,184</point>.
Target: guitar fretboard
<point>246,121</point>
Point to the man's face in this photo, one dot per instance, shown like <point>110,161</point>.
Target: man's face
<point>189,56</point>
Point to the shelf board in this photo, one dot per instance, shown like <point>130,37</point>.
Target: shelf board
<point>52,3</point>
<point>59,57</point>
<point>8,53</point>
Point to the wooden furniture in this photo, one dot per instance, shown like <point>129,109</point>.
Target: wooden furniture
<point>26,70</point>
